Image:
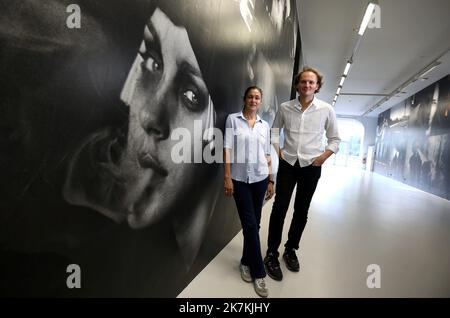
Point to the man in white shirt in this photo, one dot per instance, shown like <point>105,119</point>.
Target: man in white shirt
<point>304,121</point>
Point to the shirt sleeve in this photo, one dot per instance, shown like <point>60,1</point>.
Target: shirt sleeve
<point>268,144</point>
<point>228,141</point>
<point>332,132</point>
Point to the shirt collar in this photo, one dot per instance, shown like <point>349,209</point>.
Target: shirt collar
<point>311,106</point>
<point>258,119</point>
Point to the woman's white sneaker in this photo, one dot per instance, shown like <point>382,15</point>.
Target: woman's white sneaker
<point>245,273</point>
<point>260,287</point>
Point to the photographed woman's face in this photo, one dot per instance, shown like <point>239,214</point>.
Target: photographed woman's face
<point>164,90</point>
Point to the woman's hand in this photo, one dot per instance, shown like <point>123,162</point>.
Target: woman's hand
<point>270,191</point>
<point>228,186</point>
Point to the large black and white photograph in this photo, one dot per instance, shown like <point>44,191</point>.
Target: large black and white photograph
<point>222,151</point>
<point>413,140</point>
<point>91,94</point>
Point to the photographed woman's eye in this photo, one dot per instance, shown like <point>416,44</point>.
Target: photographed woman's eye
<point>150,64</point>
<point>191,96</point>
<point>192,92</point>
<point>192,100</point>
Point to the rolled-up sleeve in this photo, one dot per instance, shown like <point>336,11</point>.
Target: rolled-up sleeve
<point>332,132</point>
<point>228,142</point>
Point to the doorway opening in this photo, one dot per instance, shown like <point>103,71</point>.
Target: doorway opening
<point>350,152</point>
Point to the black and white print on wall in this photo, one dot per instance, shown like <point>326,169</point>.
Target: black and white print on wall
<point>87,108</point>
<point>413,140</point>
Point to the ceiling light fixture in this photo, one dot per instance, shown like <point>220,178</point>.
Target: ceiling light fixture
<point>419,75</point>
<point>366,19</point>
<point>431,67</point>
<point>362,29</point>
<point>347,68</point>
<point>334,99</point>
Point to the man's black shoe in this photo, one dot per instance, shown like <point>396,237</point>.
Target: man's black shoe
<point>273,267</point>
<point>291,260</point>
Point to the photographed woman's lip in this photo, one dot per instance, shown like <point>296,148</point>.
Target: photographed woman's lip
<point>146,160</point>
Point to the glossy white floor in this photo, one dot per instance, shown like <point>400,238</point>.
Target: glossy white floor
<point>356,219</point>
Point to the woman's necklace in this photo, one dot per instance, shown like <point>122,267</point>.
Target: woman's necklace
<point>248,117</point>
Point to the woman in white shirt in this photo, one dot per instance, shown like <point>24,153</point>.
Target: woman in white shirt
<point>247,178</point>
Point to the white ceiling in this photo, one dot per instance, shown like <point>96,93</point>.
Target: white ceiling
<point>412,34</point>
